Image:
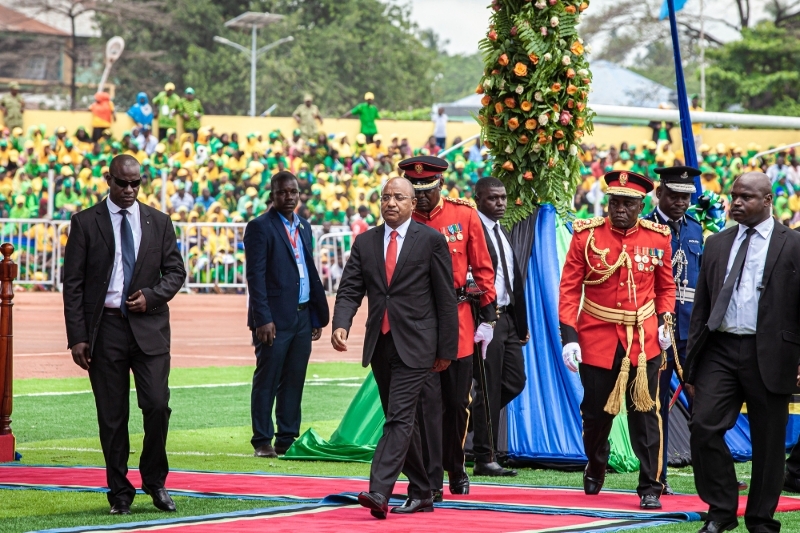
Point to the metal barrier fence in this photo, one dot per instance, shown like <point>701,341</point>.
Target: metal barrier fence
<point>213,253</point>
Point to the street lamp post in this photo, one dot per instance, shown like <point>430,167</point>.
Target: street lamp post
<point>253,21</point>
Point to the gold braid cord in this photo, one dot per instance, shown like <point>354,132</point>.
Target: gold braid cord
<point>606,271</point>
<point>670,325</point>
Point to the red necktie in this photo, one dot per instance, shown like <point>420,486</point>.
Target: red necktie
<point>391,262</point>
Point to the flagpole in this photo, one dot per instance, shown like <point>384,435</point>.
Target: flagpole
<point>702,57</point>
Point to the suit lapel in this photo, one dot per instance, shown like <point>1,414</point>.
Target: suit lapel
<point>105,227</point>
<point>490,246</point>
<point>281,229</point>
<point>725,248</point>
<point>377,251</point>
<point>144,244</point>
<point>776,243</point>
<point>408,244</point>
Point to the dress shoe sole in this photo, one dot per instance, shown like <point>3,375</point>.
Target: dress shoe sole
<point>397,510</point>
<point>727,527</point>
<point>118,512</point>
<point>266,455</point>
<point>459,490</point>
<point>157,503</point>
<point>369,504</point>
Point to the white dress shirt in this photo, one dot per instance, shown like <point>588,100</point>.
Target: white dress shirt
<point>401,230</point>
<point>503,298</point>
<point>114,293</point>
<point>741,316</point>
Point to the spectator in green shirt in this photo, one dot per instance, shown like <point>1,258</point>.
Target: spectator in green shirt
<point>367,112</point>
<point>13,106</point>
<point>19,210</point>
<point>165,108</point>
<point>66,201</point>
<point>191,111</point>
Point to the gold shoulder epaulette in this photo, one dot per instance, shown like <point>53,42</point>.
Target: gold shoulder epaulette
<point>459,201</point>
<point>655,226</point>
<point>587,223</point>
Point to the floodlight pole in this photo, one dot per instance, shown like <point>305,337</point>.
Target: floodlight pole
<point>253,57</point>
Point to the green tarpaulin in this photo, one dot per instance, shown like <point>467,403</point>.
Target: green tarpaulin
<point>362,425</point>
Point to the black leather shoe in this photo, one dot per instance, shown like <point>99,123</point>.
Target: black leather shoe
<point>161,498</point>
<point>415,506</point>
<point>281,450</point>
<point>492,469</point>
<point>591,486</point>
<point>375,502</point>
<point>265,451</point>
<point>649,501</point>
<point>741,485</point>
<point>459,482</point>
<point>437,495</point>
<point>791,483</point>
<point>667,490</point>
<point>718,527</point>
<point>121,508</point>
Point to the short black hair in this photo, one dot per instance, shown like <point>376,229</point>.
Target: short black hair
<point>488,182</point>
<point>280,177</point>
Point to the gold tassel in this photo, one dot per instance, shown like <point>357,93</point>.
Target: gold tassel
<point>668,323</point>
<point>617,397</point>
<point>642,401</point>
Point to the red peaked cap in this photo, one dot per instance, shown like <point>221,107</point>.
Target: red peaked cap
<point>624,183</point>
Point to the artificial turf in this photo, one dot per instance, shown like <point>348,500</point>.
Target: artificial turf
<point>210,430</point>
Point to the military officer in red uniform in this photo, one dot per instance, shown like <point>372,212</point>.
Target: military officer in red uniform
<point>443,407</point>
<point>622,265</point>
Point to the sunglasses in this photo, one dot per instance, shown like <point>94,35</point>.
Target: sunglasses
<point>125,183</point>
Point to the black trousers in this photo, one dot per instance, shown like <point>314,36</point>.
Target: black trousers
<point>665,397</point>
<point>115,355</point>
<point>727,377</point>
<point>443,412</point>
<point>278,381</point>
<point>399,447</point>
<point>645,428</point>
<point>505,380</point>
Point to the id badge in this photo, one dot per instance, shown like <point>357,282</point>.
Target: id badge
<point>301,270</point>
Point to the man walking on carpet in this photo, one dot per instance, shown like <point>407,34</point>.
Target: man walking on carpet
<point>405,270</point>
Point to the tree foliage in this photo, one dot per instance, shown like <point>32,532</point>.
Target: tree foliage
<point>342,49</point>
<point>535,86</point>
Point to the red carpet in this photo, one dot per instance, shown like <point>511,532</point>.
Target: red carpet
<point>308,488</point>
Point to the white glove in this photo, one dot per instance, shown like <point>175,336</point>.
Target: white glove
<point>571,353</point>
<point>484,335</point>
<point>663,337</point>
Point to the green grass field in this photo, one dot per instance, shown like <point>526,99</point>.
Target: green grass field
<point>54,422</point>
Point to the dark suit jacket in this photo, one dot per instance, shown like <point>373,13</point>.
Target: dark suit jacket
<point>520,309</point>
<point>778,326</point>
<point>272,277</point>
<point>88,261</point>
<point>423,312</point>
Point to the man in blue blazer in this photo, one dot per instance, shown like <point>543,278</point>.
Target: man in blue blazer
<point>286,311</point>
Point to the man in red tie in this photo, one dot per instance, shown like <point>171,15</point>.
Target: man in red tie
<point>405,270</point>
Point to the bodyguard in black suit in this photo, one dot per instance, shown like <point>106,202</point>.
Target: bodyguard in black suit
<point>505,365</point>
<point>405,270</point>
<point>121,267</point>
<point>744,347</point>
<point>287,310</point>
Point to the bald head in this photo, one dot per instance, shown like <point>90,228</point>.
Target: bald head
<point>751,199</point>
<point>123,179</point>
<point>122,163</point>
<point>403,183</point>
<point>397,202</point>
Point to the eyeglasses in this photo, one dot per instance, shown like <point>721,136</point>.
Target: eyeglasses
<point>386,198</point>
<point>125,183</point>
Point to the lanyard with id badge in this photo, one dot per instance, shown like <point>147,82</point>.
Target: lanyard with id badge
<point>297,252</point>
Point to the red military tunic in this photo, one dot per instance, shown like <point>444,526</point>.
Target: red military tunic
<point>472,251</point>
<point>653,281</point>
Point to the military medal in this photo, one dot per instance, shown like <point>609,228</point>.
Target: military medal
<point>637,257</point>
<point>459,235</point>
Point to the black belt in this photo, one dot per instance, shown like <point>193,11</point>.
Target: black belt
<point>503,309</point>
<point>112,311</point>
<point>736,335</point>
<point>302,306</point>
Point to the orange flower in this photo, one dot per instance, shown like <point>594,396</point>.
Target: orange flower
<point>559,134</point>
<point>578,134</point>
<point>513,123</point>
<point>555,87</point>
<point>531,124</point>
<point>572,89</point>
<point>570,103</point>
<point>570,9</point>
<point>518,201</point>
<point>492,35</point>
<point>576,48</point>
<point>523,139</point>
<point>488,144</point>
<point>482,119</point>
<point>570,73</point>
<point>486,100</point>
<point>528,176</point>
<point>586,81</point>
<point>584,94</point>
<point>510,102</point>
<point>556,108</point>
<point>498,121</point>
<point>498,107</point>
<point>508,165</point>
<point>503,60</point>
<point>561,147</point>
<point>583,6</point>
<point>579,122</point>
<point>580,106</point>
<point>526,106</point>
<point>533,58</point>
<point>542,139</point>
<point>479,90</point>
<point>521,70</point>
<point>495,72</point>
<point>551,163</point>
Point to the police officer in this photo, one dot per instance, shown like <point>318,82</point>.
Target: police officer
<point>443,406</point>
<point>674,198</point>
<point>622,267</point>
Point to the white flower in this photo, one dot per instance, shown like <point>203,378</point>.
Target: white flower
<point>543,119</point>
<point>487,84</point>
<point>541,4</point>
<point>509,149</point>
<point>573,150</point>
<point>536,148</point>
<point>538,96</point>
<point>502,84</point>
<point>547,56</point>
<point>588,48</point>
<point>566,60</point>
<point>554,22</point>
<point>519,89</point>
<point>583,72</point>
<point>580,40</point>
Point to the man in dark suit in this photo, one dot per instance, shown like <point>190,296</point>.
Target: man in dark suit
<point>744,346</point>
<point>287,310</point>
<point>405,270</point>
<point>505,366</point>
<point>121,267</point>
